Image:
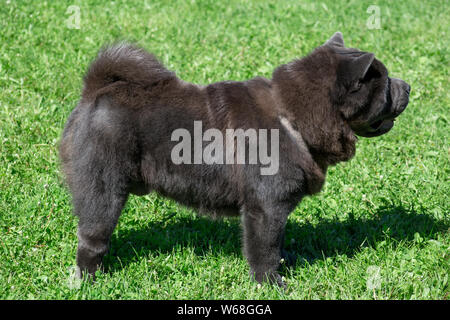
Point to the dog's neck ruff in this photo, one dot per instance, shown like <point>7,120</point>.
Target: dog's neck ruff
<point>295,135</point>
<point>315,175</point>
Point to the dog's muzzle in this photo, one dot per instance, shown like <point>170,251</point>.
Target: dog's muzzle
<point>398,97</point>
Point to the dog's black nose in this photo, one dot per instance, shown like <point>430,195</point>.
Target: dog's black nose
<point>408,88</point>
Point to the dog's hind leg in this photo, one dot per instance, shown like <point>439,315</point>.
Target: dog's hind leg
<point>98,210</point>
<point>99,194</point>
<point>98,157</point>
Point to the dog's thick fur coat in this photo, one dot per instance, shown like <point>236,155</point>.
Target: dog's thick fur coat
<point>117,140</point>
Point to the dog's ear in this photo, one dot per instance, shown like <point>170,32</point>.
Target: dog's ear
<point>336,40</point>
<point>355,67</point>
<point>361,64</point>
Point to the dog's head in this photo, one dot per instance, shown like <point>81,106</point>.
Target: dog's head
<point>368,99</point>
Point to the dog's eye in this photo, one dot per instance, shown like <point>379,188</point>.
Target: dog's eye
<point>356,86</point>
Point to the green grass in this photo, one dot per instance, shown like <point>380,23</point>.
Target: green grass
<point>386,210</point>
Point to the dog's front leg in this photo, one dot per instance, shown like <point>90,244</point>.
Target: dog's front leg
<point>263,241</point>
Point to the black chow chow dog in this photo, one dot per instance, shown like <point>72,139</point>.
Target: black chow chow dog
<point>118,140</point>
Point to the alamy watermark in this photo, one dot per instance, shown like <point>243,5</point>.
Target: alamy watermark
<point>374,20</point>
<point>373,278</point>
<point>74,20</point>
<point>74,279</point>
<point>211,147</point>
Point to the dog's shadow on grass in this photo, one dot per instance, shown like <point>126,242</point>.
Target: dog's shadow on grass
<point>309,242</point>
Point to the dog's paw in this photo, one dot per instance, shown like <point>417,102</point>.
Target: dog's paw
<point>269,277</point>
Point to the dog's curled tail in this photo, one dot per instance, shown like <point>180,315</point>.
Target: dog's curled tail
<point>122,64</point>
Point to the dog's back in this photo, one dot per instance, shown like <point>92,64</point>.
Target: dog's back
<point>120,135</point>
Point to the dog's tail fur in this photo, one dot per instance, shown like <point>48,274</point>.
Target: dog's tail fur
<point>122,64</point>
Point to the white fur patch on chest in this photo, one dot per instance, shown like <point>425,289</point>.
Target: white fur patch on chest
<point>295,135</point>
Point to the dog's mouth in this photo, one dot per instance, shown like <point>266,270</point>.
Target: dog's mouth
<point>376,128</point>
<point>376,125</point>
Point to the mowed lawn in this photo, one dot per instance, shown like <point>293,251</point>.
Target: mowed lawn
<point>378,230</point>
